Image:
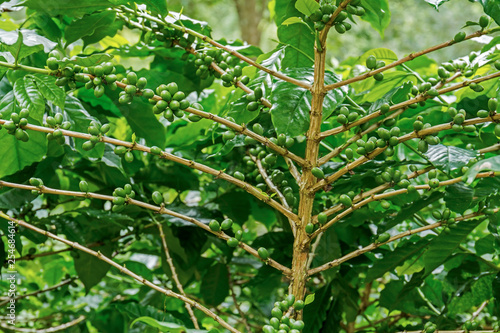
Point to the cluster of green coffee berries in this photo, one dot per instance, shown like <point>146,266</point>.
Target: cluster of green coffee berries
<point>172,102</point>
<point>204,60</point>
<point>57,122</point>
<point>134,85</point>
<point>96,131</point>
<point>458,119</point>
<point>121,197</point>
<point>125,153</point>
<point>280,321</point>
<point>446,216</point>
<point>372,63</point>
<point>393,176</point>
<point>37,182</point>
<point>433,179</point>
<point>429,327</point>
<point>346,116</point>
<point>492,110</point>
<point>172,37</point>
<point>322,16</point>
<point>16,124</point>
<point>470,325</point>
<point>227,224</point>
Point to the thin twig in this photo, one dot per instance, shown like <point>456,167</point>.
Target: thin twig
<point>175,277</point>
<point>59,328</point>
<point>41,291</point>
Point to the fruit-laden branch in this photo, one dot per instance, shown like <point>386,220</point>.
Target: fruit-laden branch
<point>366,194</point>
<point>41,291</point>
<point>373,246</point>
<point>431,130</point>
<point>175,277</point>
<point>189,163</point>
<point>58,328</point>
<point>158,209</point>
<point>373,127</point>
<point>324,33</point>
<point>407,103</point>
<point>236,127</point>
<point>193,51</point>
<point>123,269</point>
<point>376,197</point>
<point>409,57</point>
<point>209,40</point>
<point>335,152</point>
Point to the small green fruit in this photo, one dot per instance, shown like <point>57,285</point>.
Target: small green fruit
<point>84,186</point>
<point>322,218</point>
<point>226,224</point>
<point>371,62</point>
<point>382,238</point>
<point>157,197</point>
<point>309,228</point>
<point>263,253</point>
<point>238,175</point>
<point>129,157</point>
<point>214,226</point>
<point>345,200</point>
<point>459,37</point>
<point>317,172</point>
<point>233,242</point>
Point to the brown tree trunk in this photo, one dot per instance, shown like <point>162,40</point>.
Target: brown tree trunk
<point>250,14</point>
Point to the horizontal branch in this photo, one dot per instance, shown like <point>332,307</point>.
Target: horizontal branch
<point>171,157</point>
<point>123,269</point>
<point>218,45</point>
<point>193,51</point>
<point>409,57</point>
<point>405,104</point>
<point>373,246</point>
<point>58,328</point>
<point>361,160</point>
<point>157,209</point>
<point>6,300</point>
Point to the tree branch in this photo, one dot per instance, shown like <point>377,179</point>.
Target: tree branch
<point>361,160</point>
<point>122,269</point>
<point>171,157</point>
<point>218,45</point>
<point>41,291</point>
<point>409,57</point>
<point>46,330</point>
<point>158,209</point>
<point>395,107</point>
<point>373,246</point>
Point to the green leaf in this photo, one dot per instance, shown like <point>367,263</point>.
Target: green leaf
<point>491,164</point>
<point>90,269</point>
<point>436,3</point>
<point>215,285</point>
<point>68,8</point>
<point>293,20</point>
<point>306,7</point>
<point>49,90</point>
<point>443,246</point>
<point>168,327</point>
<point>16,155</point>
<point>29,96</point>
<point>144,124</point>
<point>157,6</point>
<point>492,8</point>
<point>449,158</point>
<point>393,259</point>
<point>88,61</point>
<point>24,43</point>
<point>315,313</point>
<point>291,104</point>
<point>377,14</point>
<point>458,197</point>
<point>309,299</point>
<point>87,25</point>
<point>328,250</point>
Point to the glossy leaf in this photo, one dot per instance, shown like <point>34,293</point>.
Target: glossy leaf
<point>91,270</point>
<point>215,285</point>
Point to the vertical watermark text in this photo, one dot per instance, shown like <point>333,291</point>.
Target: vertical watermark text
<point>11,273</point>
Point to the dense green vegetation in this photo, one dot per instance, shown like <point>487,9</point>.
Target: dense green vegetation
<point>153,179</point>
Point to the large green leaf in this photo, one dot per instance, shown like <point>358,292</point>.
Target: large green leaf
<point>395,258</point>
<point>215,285</point>
<point>69,8</point>
<point>90,269</point>
<point>307,7</point>
<point>292,104</point>
<point>448,158</point>
<point>377,14</point>
<point>87,25</point>
<point>492,8</point>
<point>443,246</point>
<point>24,42</point>
<point>458,197</point>
<point>29,96</point>
<point>47,86</point>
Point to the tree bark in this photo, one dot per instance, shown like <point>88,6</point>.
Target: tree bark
<point>250,14</point>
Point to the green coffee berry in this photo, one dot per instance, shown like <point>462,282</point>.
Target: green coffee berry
<point>317,172</point>
<point>322,218</point>
<point>233,242</point>
<point>263,253</point>
<point>157,197</point>
<point>382,238</point>
<point>459,37</point>
<point>84,186</point>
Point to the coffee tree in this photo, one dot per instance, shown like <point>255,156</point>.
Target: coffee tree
<point>155,179</point>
